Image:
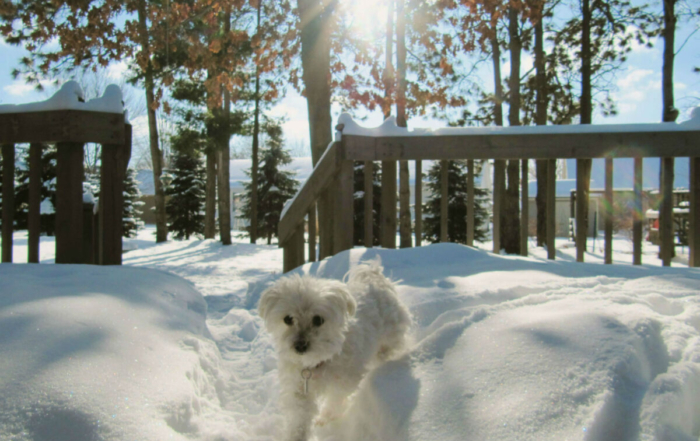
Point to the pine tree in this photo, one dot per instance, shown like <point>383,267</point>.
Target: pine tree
<point>131,221</point>
<point>48,190</point>
<point>275,186</point>
<point>457,204</point>
<point>359,203</point>
<point>186,191</point>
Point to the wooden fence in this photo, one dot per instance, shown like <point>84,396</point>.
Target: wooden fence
<point>333,178</point>
<point>69,130</point>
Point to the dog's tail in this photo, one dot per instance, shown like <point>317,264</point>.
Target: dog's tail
<point>369,273</point>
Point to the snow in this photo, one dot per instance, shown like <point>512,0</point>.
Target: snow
<point>389,128</point>
<point>505,347</point>
<point>71,97</point>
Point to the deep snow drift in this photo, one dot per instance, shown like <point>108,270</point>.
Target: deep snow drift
<point>504,348</point>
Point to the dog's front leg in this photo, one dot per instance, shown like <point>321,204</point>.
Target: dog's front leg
<point>300,410</point>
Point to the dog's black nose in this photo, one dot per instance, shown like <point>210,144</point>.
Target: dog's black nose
<point>301,346</point>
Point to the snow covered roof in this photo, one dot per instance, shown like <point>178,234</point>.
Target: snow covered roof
<point>71,97</point>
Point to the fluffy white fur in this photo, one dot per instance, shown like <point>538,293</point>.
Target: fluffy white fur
<point>363,324</point>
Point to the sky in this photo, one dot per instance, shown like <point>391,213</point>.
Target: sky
<point>637,89</point>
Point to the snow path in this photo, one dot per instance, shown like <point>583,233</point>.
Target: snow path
<point>505,347</point>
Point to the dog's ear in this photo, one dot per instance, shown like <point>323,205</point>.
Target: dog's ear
<point>268,299</point>
<point>341,292</point>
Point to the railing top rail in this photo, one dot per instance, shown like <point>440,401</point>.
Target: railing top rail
<point>62,126</point>
<point>389,129</point>
<point>389,142</point>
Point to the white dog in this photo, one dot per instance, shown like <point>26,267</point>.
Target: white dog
<point>328,335</point>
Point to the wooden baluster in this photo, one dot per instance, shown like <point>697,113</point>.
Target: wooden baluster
<point>387,227</point>
<point>694,224</point>
<point>344,202</point>
<point>419,203</point>
<point>34,210</point>
<point>8,200</point>
<point>666,212</point>
<point>551,208</point>
<point>637,226</point>
<point>499,184</point>
<point>312,233</point>
<point>608,210</point>
<point>525,207</point>
<point>583,175</point>
<point>69,202</point>
<point>470,203</point>
<point>369,203</point>
<point>444,199</point>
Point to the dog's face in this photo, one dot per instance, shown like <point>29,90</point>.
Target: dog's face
<point>307,317</point>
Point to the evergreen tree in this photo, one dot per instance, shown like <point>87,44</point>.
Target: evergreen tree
<point>457,204</point>
<point>131,221</point>
<point>48,191</point>
<point>186,191</point>
<point>275,186</point>
<point>359,203</point>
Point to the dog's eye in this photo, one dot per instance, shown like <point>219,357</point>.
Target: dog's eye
<point>317,320</point>
<point>288,320</point>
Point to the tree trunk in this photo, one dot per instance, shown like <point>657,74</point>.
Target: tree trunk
<point>387,215</point>
<point>156,152</point>
<point>256,134</point>
<point>225,158</point>
<point>316,65</point>
<point>511,227</point>
<point>404,190</point>
<point>586,115</point>
<point>499,179</point>
<point>210,197</point>
<point>669,111</point>
<point>541,120</point>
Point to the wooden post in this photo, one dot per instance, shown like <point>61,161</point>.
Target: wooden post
<point>551,208</point>
<point>34,210</point>
<point>69,202</point>
<point>666,212</point>
<point>694,224</point>
<point>581,207</point>
<point>115,160</point>
<point>369,203</point>
<point>525,207</point>
<point>608,210</point>
<point>499,183</point>
<point>638,215</point>
<point>444,173</point>
<point>312,233</point>
<point>291,250</point>
<point>8,200</point>
<point>419,203</point>
<point>470,203</point>
<point>387,227</point>
<point>343,228</point>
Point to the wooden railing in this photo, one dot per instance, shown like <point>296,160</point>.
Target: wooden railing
<point>69,130</point>
<point>332,178</point>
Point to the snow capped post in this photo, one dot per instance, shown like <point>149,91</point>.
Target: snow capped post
<point>8,200</point>
<point>67,120</point>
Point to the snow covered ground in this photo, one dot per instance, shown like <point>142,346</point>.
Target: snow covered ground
<point>506,348</point>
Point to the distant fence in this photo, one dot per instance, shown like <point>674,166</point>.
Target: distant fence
<point>69,130</point>
<point>332,179</point>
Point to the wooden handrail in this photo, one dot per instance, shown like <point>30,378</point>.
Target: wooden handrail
<point>321,176</point>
